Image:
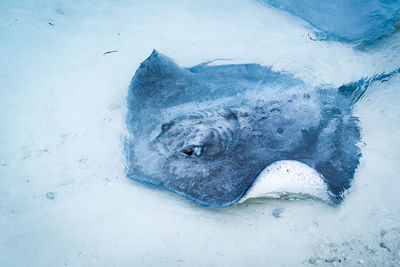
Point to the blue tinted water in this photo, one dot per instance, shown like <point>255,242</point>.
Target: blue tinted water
<point>64,196</point>
<point>350,21</point>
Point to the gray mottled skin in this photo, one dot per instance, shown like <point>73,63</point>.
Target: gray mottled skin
<point>206,132</point>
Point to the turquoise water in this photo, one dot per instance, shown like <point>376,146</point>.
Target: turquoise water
<point>64,196</point>
<point>362,21</point>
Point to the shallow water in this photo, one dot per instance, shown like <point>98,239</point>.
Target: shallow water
<point>349,21</point>
<point>64,197</point>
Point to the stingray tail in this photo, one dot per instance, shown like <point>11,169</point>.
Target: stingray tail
<point>355,90</point>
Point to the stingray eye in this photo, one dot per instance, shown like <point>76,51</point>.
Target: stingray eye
<point>191,151</point>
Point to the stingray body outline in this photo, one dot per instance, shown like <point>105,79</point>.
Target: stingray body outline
<point>206,132</point>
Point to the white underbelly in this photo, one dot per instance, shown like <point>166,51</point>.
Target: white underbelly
<point>289,179</point>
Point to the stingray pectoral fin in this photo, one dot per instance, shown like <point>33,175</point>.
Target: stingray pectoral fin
<point>288,179</point>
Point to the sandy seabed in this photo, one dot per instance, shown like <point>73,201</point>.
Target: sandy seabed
<point>64,197</point>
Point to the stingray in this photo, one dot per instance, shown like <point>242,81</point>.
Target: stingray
<point>211,133</point>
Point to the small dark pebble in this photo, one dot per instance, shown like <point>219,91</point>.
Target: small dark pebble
<point>383,245</point>
<point>51,195</point>
<point>277,212</point>
<point>383,233</point>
